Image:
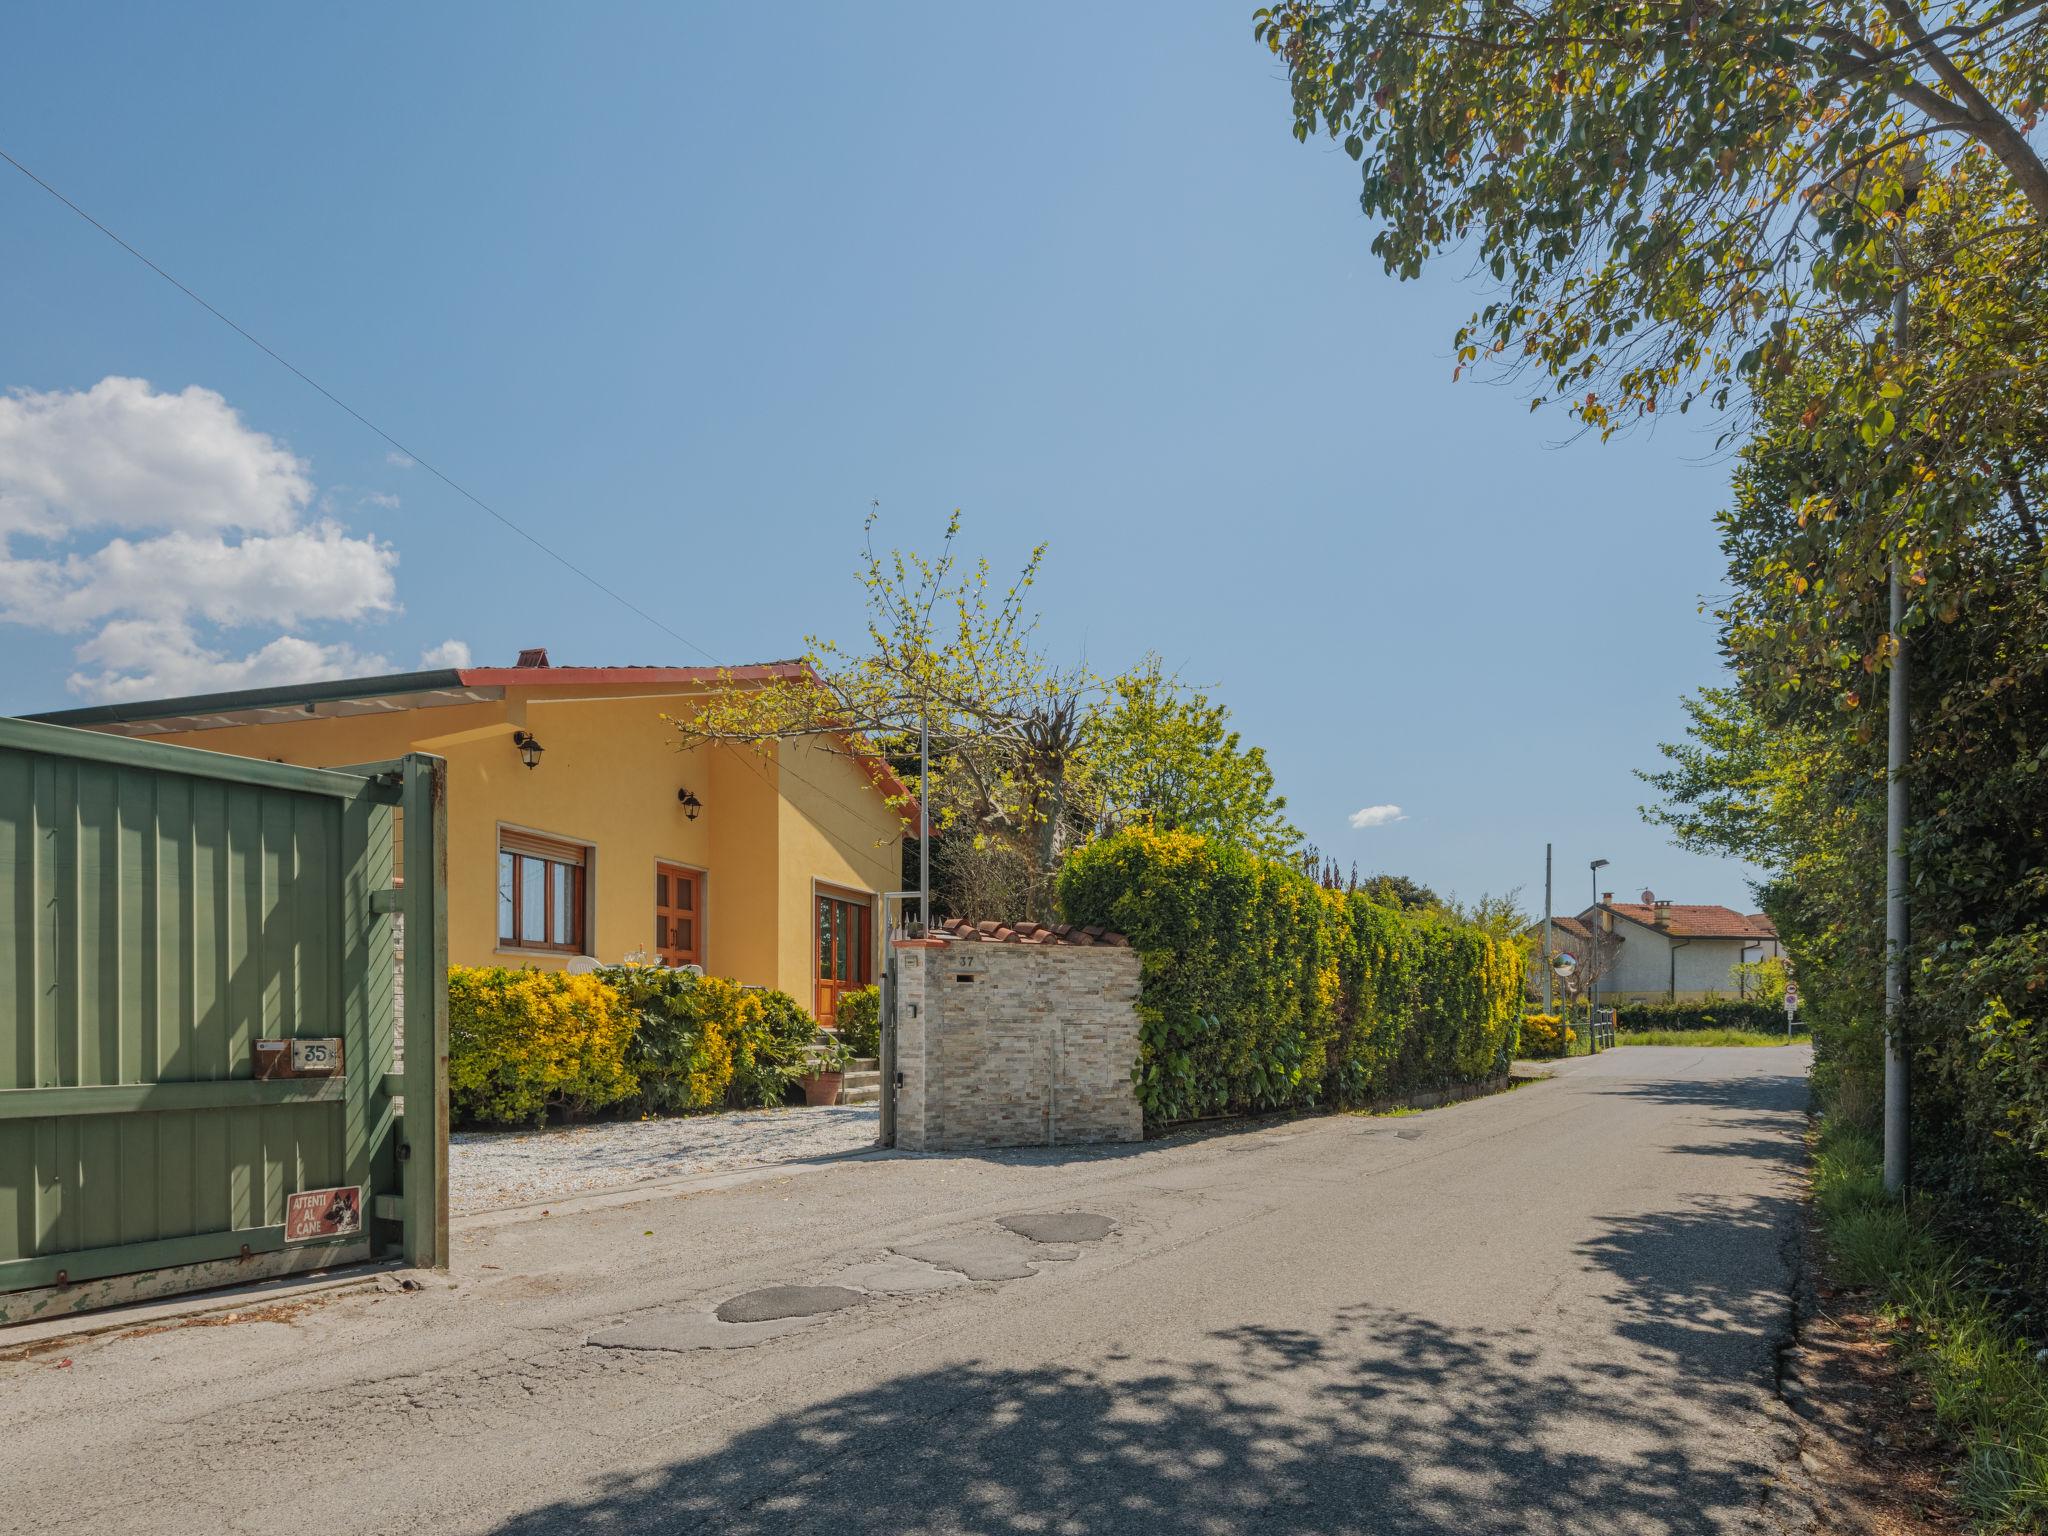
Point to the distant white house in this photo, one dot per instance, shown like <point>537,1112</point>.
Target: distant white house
<point>1664,950</point>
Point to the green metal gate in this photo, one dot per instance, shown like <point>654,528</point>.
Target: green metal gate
<point>164,912</point>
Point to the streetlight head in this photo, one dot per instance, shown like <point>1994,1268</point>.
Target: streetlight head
<point>1599,864</point>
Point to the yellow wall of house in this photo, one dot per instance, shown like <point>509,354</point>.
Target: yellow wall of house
<point>830,836</point>
<point>608,778</point>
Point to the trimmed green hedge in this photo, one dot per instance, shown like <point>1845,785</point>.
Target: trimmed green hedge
<point>1716,1013</point>
<point>1264,991</point>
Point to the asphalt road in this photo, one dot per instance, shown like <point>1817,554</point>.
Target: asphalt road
<point>1554,1310</point>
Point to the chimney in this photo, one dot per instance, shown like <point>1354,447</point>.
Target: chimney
<point>537,656</point>
<point>1661,913</point>
<point>1606,897</point>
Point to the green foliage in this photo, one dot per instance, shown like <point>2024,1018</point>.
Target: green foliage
<point>1546,1036</point>
<point>1263,991</point>
<point>703,1042</point>
<point>1786,768</point>
<point>522,1043</point>
<point>1763,981</point>
<point>1400,891</point>
<point>858,1020</point>
<point>1714,1013</point>
<point>1672,198</point>
<point>1164,757</point>
<point>1989,1388</point>
<point>771,1055</point>
<point>948,648</point>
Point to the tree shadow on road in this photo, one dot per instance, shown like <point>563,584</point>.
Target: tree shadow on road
<point>1707,1289</point>
<point>1376,1422</point>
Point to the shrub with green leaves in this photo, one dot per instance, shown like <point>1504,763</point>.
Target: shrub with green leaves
<point>858,1021</point>
<point>524,1043</point>
<point>1263,991</point>
<point>702,1042</point>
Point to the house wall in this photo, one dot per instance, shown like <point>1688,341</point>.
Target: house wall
<point>1007,1045</point>
<point>830,834</point>
<point>608,778</point>
<point>1643,967</point>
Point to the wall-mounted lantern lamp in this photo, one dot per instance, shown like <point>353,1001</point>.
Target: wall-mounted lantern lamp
<point>690,803</point>
<point>529,749</point>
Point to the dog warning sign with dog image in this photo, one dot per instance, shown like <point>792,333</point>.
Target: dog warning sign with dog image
<point>314,1213</point>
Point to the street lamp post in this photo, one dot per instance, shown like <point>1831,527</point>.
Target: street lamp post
<point>1593,981</point>
<point>1546,928</point>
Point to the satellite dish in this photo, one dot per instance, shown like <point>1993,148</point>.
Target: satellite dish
<point>1563,963</point>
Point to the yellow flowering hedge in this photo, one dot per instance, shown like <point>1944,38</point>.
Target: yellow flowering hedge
<point>1545,1035</point>
<point>1261,990</point>
<point>522,1043</point>
<point>708,1043</point>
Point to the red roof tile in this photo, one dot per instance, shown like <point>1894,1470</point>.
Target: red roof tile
<point>1057,934</point>
<point>1684,921</point>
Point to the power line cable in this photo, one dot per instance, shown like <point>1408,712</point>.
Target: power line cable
<point>287,364</point>
<point>448,480</point>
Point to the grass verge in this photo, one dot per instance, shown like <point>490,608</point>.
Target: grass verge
<point>1988,1386</point>
<point>1700,1037</point>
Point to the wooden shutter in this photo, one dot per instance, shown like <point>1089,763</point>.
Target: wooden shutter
<point>540,847</point>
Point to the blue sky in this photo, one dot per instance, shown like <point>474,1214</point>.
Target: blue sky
<point>682,291</point>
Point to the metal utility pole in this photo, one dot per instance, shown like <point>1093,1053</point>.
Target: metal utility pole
<point>1898,743</point>
<point>1546,928</point>
<point>924,818</point>
<point>1593,981</point>
<point>1897,925</point>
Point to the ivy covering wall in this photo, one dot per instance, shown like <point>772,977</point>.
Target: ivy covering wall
<point>1263,991</point>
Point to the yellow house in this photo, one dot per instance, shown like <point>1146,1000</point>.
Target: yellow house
<point>617,840</point>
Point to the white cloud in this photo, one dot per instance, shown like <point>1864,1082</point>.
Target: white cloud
<point>449,653</point>
<point>1377,816</point>
<point>120,455</point>
<point>151,518</point>
<point>399,460</point>
<point>146,659</point>
<point>382,499</point>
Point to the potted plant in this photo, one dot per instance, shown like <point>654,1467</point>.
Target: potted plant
<point>824,1072</point>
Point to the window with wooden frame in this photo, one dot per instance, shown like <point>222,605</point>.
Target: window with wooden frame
<point>542,893</point>
<point>846,949</point>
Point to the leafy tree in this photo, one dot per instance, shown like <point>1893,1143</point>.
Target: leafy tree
<point>944,646</point>
<point>1671,195</point>
<point>1787,768</point>
<point>1164,757</point>
<point>1400,891</point>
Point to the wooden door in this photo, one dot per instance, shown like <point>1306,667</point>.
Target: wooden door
<point>845,949</point>
<point>678,915</point>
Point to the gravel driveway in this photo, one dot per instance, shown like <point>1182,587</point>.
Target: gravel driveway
<point>488,1169</point>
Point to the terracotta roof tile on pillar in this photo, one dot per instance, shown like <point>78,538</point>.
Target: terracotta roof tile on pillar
<point>1056,934</point>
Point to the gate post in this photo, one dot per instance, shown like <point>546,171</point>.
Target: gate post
<point>887,1136</point>
<point>424,791</point>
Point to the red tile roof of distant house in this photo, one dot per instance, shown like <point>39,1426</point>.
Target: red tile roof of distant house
<point>1685,921</point>
<point>1067,934</point>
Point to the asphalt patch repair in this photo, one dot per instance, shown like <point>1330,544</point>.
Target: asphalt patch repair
<point>1060,1227</point>
<point>771,1304</point>
<point>752,1317</point>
